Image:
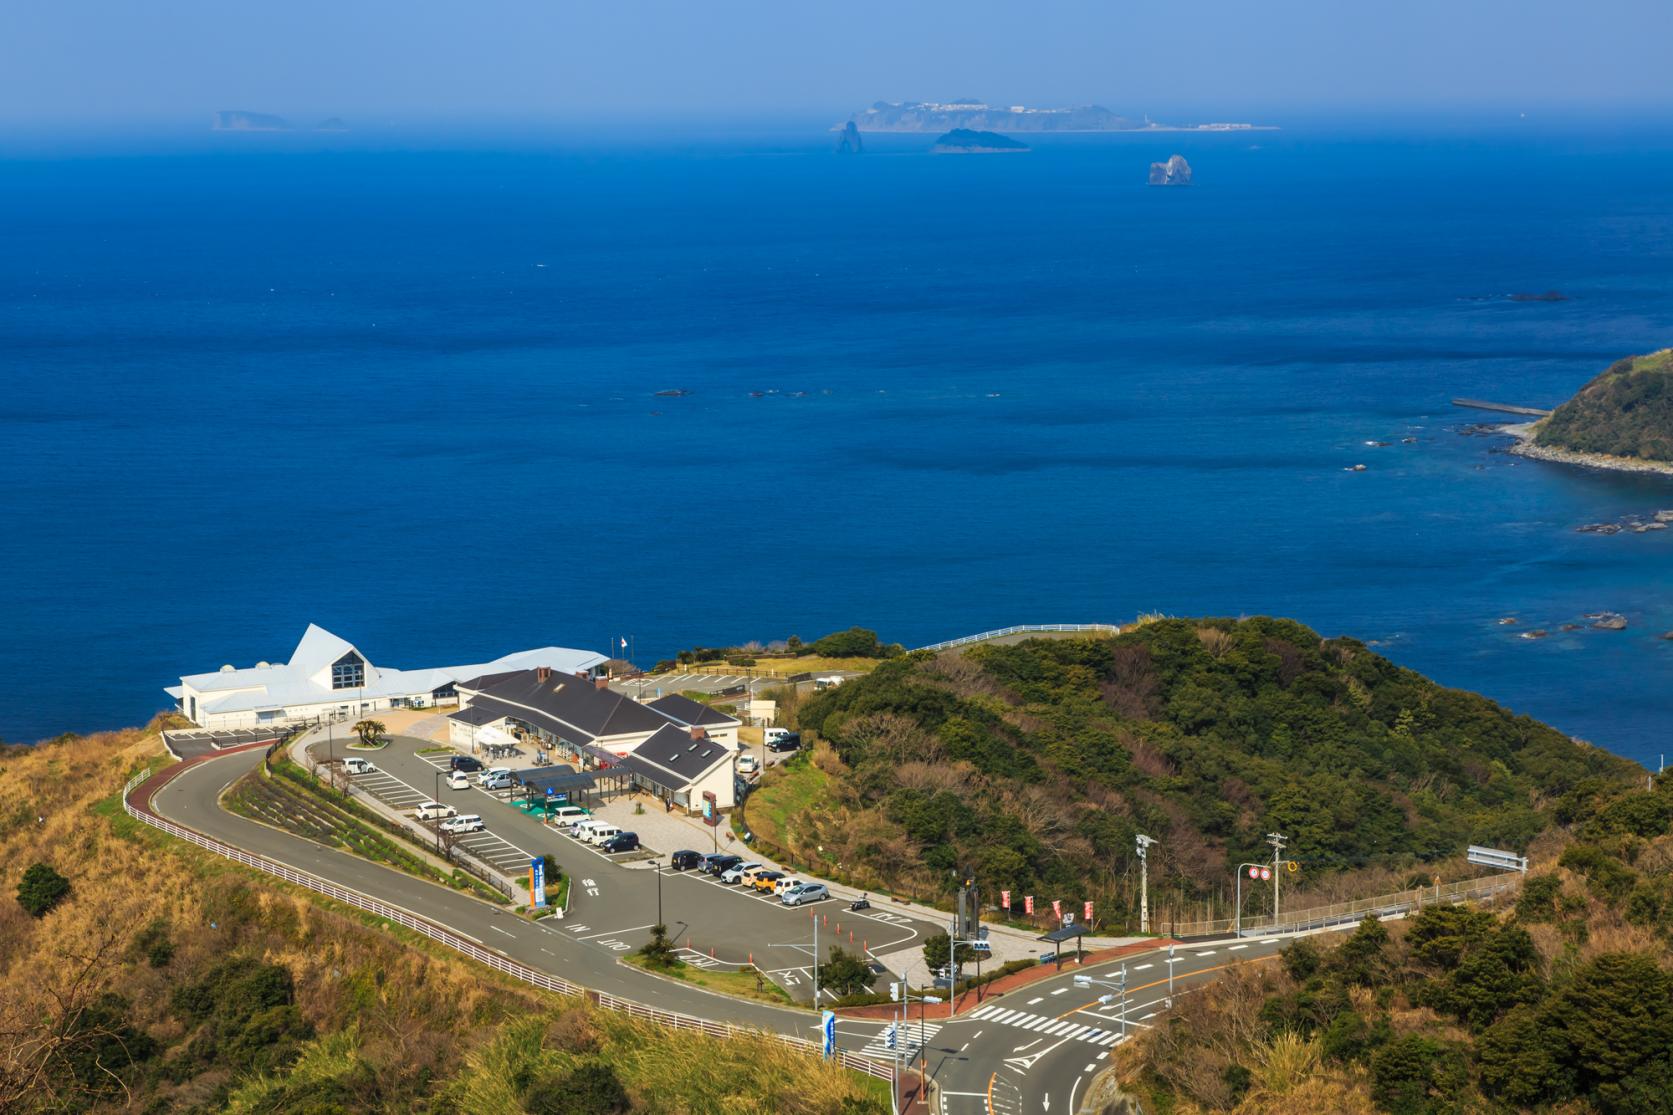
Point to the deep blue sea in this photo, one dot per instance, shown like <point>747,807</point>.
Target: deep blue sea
<point>407,390</point>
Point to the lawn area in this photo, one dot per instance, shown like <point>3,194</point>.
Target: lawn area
<point>787,790</point>
<point>783,667</point>
<point>747,983</point>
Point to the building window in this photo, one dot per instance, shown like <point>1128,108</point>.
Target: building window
<point>348,672</point>
<point>445,693</point>
<point>192,706</point>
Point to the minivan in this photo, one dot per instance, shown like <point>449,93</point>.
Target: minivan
<point>621,842</point>
<point>567,815</point>
<point>458,780</point>
<point>597,832</point>
<point>685,859</point>
<point>789,741</point>
<point>784,884</point>
<point>581,828</point>
<point>465,763</point>
<point>358,766</point>
<point>465,822</point>
<point>719,865</point>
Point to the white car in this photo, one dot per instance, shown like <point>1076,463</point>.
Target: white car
<point>435,811</point>
<point>495,778</point>
<point>748,764</point>
<point>458,780</point>
<point>736,874</point>
<point>358,766</point>
<point>467,822</point>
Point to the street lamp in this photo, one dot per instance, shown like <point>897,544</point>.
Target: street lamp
<point>1144,843</point>
<point>1120,985</point>
<point>659,920</point>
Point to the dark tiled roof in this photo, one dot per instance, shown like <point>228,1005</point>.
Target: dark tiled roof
<point>476,714</point>
<point>488,681</point>
<point>684,710</point>
<point>571,708</point>
<point>672,759</point>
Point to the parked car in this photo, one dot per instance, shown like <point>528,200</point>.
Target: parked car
<point>496,778</point>
<point>785,883</point>
<point>685,859</point>
<point>771,734</point>
<point>805,893</point>
<point>581,828</point>
<point>597,832</point>
<point>465,763</point>
<point>735,873</point>
<point>751,872</point>
<point>567,815</point>
<point>621,842</point>
<point>465,822</point>
<point>458,780</point>
<point>748,764</point>
<point>719,865</point>
<point>435,811</point>
<point>789,741</point>
<point>764,881</point>
<point>356,765</point>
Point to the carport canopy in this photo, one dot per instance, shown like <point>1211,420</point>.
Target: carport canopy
<point>1066,933</point>
<point>561,779</point>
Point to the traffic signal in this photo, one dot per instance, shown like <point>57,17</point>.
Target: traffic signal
<point>894,995</point>
<point>891,1038</point>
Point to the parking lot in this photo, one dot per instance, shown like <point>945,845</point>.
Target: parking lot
<point>496,851</point>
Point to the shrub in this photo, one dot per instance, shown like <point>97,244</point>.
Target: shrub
<point>40,889</point>
<point>659,951</point>
<point>589,1089</point>
<point>153,944</point>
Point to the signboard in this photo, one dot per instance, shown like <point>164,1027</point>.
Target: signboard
<point>537,883</point>
<point>709,817</point>
<point>1254,872</point>
<point>1069,918</point>
<point>1057,908</point>
<point>827,1025</point>
<point>1028,905</point>
<point>1086,911</point>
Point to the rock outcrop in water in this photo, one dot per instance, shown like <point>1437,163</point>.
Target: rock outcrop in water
<point>963,141</point>
<point>1175,172</point>
<point>1626,412</point>
<point>848,140</point>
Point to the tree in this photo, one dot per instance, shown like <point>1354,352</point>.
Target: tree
<point>40,889</point>
<point>372,733</point>
<point>659,951</point>
<point>936,950</point>
<point>845,973</point>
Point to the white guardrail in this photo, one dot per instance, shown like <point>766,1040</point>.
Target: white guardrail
<point>1488,888</point>
<point>494,960</point>
<point>1022,629</point>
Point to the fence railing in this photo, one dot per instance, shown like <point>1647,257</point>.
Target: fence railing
<point>497,961</point>
<point>1468,890</point>
<point>1022,629</point>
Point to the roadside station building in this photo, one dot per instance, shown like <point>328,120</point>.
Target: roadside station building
<point>328,678</point>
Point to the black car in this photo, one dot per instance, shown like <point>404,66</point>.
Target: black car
<point>621,842</point>
<point>685,859</point>
<point>719,865</point>
<point>466,763</point>
<point>788,742</point>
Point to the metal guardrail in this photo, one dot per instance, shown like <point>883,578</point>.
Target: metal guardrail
<point>1386,905</point>
<point>1023,628</point>
<point>497,961</point>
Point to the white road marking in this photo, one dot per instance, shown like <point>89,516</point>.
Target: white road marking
<point>1204,952</point>
<point>1060,991</point>
<point>1142,967</point>
<point>1037,999</point>
<point>497,929</point>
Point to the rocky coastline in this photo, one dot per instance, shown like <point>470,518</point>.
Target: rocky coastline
<point>1525,447</point>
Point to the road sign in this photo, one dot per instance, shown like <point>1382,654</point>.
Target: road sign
<point>891,1038</point>
<point>1254,873</point>
<point>1266,873</point>
<point>1291,866</point>
<point>827,1024</point>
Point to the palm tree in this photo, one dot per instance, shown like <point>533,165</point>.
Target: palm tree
<point>373,733</point>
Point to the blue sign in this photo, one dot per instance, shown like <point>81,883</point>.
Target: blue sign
<point>537,883</point>
<point>827,1024</point>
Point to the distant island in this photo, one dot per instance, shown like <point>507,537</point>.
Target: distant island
<point>969,113</point>
<point>963,141</point>
<point>848,140</point>
<point>250,122</point>
<point>1175,172</point>
<point>1622,419</point>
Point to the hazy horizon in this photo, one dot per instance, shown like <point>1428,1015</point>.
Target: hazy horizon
<point>182,60</point>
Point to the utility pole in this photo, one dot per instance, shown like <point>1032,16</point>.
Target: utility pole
<point>1144,843</point>
<point>816,959</point>
<point>1276,839</point>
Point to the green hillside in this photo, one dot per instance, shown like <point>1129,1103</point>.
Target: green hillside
<point>1037,763</point>
<point>1627,411</point>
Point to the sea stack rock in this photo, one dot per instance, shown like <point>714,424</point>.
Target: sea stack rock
<point>1175,172</point>
<point>848,140</point>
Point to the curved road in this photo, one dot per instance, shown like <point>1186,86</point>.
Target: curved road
<point>1031,1050</point>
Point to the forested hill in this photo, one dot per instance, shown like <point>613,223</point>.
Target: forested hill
<point>1627,411</point>
<point>1037,763</point>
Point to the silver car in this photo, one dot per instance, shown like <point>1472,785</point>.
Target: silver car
<point>807,892</point>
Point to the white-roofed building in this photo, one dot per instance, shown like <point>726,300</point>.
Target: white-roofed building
<point>328,677</point>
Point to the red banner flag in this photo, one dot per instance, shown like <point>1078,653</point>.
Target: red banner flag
<point>1057,908</point>
<point>1005,899</point>
<point>1088,912</point>
<point>1028,905</point>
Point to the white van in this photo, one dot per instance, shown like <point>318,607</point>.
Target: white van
<point>580,828</point>
<point>458,780</point>
<point>356,765</point>
<point>566,815</point>
<point>600,831</point>
<point>768,735</point>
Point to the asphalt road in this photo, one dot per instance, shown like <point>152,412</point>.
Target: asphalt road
<point>614,898</point>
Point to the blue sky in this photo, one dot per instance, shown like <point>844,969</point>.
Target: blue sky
<point>110,59</point>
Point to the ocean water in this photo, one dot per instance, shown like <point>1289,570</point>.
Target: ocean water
<point>408,391</point>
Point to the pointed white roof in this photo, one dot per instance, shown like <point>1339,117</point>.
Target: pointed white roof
<point>318,649</point>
